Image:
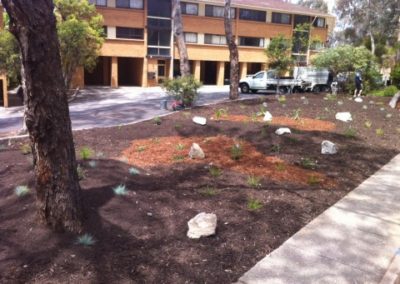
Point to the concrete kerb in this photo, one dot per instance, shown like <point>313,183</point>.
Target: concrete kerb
<point>392,275</point>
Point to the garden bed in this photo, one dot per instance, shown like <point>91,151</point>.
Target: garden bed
<point>276,186</point>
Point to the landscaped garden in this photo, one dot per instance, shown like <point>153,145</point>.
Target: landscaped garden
<point>140,188</point>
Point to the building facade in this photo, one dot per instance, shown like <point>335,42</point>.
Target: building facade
<point>139,48</point>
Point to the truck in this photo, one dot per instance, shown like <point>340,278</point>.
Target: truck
<point>269,81</point>
<point>319,79</point>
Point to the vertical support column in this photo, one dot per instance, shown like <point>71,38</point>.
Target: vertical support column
<point>78,79</point>
<point>114,72</point>
<point>220,73</point>
<point>264,66</point>
<point>144,75</point>
<point>5,93</point>
<point>197,70</point>
<point>243,70</point>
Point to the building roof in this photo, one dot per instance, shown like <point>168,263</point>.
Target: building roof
<point>277,5</point>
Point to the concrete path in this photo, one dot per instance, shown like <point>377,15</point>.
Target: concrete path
<point>104,107</point>
<point>357,240</point>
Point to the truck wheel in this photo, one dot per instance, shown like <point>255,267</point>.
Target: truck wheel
<point>316,89</point>
<point>326,89</point>
<point>244,88</point>
<point>283,90</point>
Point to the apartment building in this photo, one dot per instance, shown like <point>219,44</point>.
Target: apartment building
<point>139,49</point>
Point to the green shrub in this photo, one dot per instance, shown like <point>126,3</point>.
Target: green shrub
<point>183,89</point>
<point>86,153</point>
<point>157,120</point>
<point>395,75</point>
<point>389,91</point>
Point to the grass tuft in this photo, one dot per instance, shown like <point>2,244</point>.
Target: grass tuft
<point>120,190</point>
<point>313,180</point>
<point>236,152</point>
<point>209,191</point>
<point>308,163</point>
<point>133,171</point>
<point>215,171</point>
<point>254,204</point>
<point>22,190</point>
<point>26,149</point>
<point>86,153</point>
<point>380,132</point>
<point>350,133</point>
<point>81,172</point>
<point>86,240</point>
<point>254,181</point>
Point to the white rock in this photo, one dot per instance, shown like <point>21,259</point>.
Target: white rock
<point>196,152</point>
<point>200,120</point>
<point>340,103</point>
<point>328,148</point>
<point>303,98</point>
<point>202,225</point>
<point>265,104</point>
<point>395,100</point>
<point>283,130</point>
<point>267,116</point>
<point>365,107</point>
<point>358,100</point>
<point>344,116</point>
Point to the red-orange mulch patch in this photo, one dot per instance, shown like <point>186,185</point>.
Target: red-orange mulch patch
<point>307,124</point>
<point>164,151</point>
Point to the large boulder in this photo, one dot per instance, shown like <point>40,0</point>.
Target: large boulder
<point>328,148</point>
<point>200,120</point>
<point>202,225</point>
<point>196,152</point>
<point>344,116</point>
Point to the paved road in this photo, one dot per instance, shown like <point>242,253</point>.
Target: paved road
<point>104,107</point>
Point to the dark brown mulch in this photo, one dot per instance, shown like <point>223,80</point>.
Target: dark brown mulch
<point>141,237</point>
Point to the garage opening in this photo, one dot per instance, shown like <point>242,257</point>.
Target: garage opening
<point>253,68</point>
<point>101,74</point>
<point>177,68</point>
<point>227,74</point>
<point>130,71</point>
<point>209,72</point>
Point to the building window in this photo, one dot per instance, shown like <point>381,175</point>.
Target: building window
<point>105,31</point>
<point>319,22</point>
<point>217,11</point>
<point>252,15</point>
<point>190,37</point>
<point>133,4</point>
<point>98,2</point>
<point>157,51</point>
<point>189,8</point>
<point>251,41</point>
<point>130,33</point>
<point>279,18</point>
<point>159,8</point>
<point>214,39</point>
<point>159,37</point>
<point>159,24</point>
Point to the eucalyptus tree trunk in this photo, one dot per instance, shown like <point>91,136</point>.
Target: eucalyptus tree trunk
<point>233,53</point>
<point>47,116</point>
<point>180,38</point>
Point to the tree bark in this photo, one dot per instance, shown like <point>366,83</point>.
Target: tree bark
<point>180,38</point>
<point>47,115</point>
<point>233,53</point>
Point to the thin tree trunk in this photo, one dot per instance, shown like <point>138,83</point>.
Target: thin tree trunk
<point>180,38</point>
<point>233,53</point>
<point>47,115</point>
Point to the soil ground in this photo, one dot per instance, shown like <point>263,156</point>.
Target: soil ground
<point>141,236</point>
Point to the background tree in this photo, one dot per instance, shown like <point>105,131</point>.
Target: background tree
<point>47,116</point>
<point>233,52</point>
<point>279,56</point>
<point>315,4</point>
<point>9,57</point>
<point>180,38</point>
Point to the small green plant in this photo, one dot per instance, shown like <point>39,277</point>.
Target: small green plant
<point>313,180</point>
<point>177,126</point>
<point>92,164</point>
<point>141,148</point>
<point>280,167</point>
<point>368,124</point>
<point>254,117</point>
<point>389,91</point>
<point>183,89</point>
<point>254,181</point>
<point>220,113</point>
<point>379,132</point>
<point>180,147</point>
<point>236,152</point>
<point>350,133</point>
<point>282,99</point>
<point>133,171</point>
<point>296,114</point>
<point>293,139</point>
<point>22,190</point>
<point>178,158</point>
<point>215,171</point>
<point>276,148</point>
<point>120,190</point>
<point>308,163</point>
<point>81,172</point>
<point>86,240</point>
<point>254,204</point>
<point>209,191</point>
<point>331,97</point>
<point>26,149</point>
<point>157,120</point>
<point>86,153</point>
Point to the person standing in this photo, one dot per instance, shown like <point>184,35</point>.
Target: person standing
<point>358,83</point>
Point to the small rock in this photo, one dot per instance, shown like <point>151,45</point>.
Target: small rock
<point>371,102</point>
<point>149,214</point>
<point>382,109</point>
<point>340,103</point>
<point>305,102</point>
<point>283,130</point>
<point>267,116</point>
<point>328,148</point>
<point>358,100</point>
<point>303,98</point>
<point>389,115</point>
<point>344,116</point>
<point>196,152</point>
<point>202,225</point>
<point>365,107</point>
<point>200,120</point>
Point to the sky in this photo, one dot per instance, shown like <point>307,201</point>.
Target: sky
<point>330,3</point>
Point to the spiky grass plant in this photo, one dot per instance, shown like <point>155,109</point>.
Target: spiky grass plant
<point>133,171</point>
<point>282,99</point>
<point>236,152</point>
<point>254,204</point>
<point>120,190</point>
<point>26,149</point>
<point>220,113</point>
<point>157,120</point>
<point>178,158</point>
<point>141,148</point>
<point>296,114</point>
<point>280,167</point>
<point>313,180</point>
<point>380,132</point>
<point>22,190</point>
<point>86,153</point>
<point>86,240</point>
<point>215,171</point>
<point>81,172</point>
<point>209,191</point>
<point>254,181</point>
<point>350,133</point>
<point>308,163</point>
<point>180,147</point>
<point>368,124</point>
